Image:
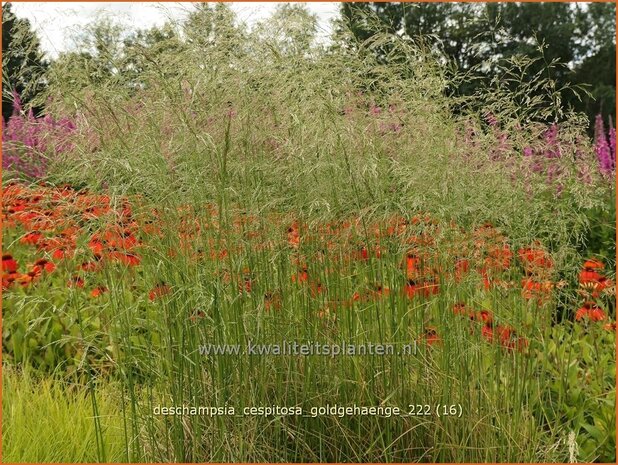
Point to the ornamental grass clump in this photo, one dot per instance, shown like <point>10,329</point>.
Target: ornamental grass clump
<point>246,190</point>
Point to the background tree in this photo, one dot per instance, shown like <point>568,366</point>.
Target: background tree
<point>598,66</point>
<point>291,29</point>
<point>212,27</point>
<point>23,62</point>
<point>147,49</point>
<point>578,41</point>
<point>111,58</point>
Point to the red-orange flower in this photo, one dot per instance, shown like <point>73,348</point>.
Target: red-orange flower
<point>26,279</point>
<point>593,264</point>
<point>272,301</point>
<point>294,236</point>
<point>96,246</point>
<point>430,336</point>
<point>197,315</point>
<point>380,291</point>
<point>159,291</point>
<point>482,316</point>
<point>488,332</point>
<point>505,336</point>
<point>301,277</point>
<point>43,265</point>
<point>125,258</point>
<point>589,276</point>
<point>539,290</point>
<point>412,265</point>
<point>9,265</point>
<point>462,266</point>
<point>9,278</point>
<point>425,289</point>
<point>76,281</point>
<point>610,326</point>
<point>499,258</point>
<point>461,309</point>
<point>591,279</point>
<point>91,266</point>
<point>32,238</point>
<point>591,312</point>
<point>316,288</point>
<point>247,282</point>
<point>96,292</point>
<point>534,259</point>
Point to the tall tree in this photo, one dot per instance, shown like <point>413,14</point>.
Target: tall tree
<point>577,40</point>
<point>213,27</point>
<point>23,62</point>
<point>291,29</point>
<point>598,67</point>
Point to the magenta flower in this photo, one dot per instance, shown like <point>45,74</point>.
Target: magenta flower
<point>551,140</point>
<point>605,154</point>
<point>29,142</point>
<point>17,106</point>
<point>612,139</point>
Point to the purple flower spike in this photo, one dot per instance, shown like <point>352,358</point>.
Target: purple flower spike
<point>602,149</point>
<point>17,106</point>
<point>612,140</point>
<point>30,141</point>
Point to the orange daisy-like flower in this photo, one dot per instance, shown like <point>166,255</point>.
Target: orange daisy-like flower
<point>593,264</point>
<point>591,280</point>
<point>76,281</point>
<point>247,282</point>
<point>272,301</point>
<point>462,266</point>
<point>461,309</point>
<point>293,236</point>
<point>510,340</point>
<point>535,260</point>
<point>482,316</point>
<point>96,292</point>
<point>499,258</point>
<point>302,276</point>
<point>590,312</point>
<point>505,336</point>
<point>32,238</point>
<point>8,279</point>
<point>380,291</point>
<point>125,258</point>
<point>430,336</point>
<point>159,291</point>
<point>42,265</point>
<point>9,265</point>
<point>539,290</point>
<point>197,315</point>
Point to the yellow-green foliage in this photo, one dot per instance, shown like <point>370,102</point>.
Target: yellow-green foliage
<point>44,420</point>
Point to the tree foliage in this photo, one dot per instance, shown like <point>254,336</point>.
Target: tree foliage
<point>23,63</point>
<point>574,44</point>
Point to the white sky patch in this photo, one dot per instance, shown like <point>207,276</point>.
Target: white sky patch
<point>56,22</point>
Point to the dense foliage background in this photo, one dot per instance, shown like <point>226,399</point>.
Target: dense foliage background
<point>578,38</point>
<point>477,36</point>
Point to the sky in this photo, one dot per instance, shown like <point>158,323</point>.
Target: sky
<point>55,22</point>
